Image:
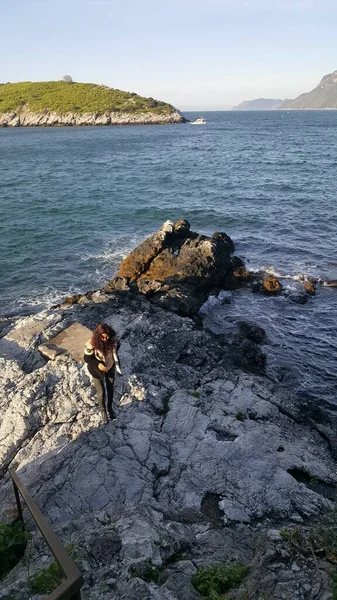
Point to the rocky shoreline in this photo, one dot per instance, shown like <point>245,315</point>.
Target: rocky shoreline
<point>208,462</point>
<point>25,118</point>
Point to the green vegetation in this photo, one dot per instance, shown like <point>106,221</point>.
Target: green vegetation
<point>150,573</point>
<point>213,582</point>
<point>64,97</point>
<point>48,579</point>
<point>13,540</point>
<point>320,541</point>
<point>293,536</point>
<point>240,416</point>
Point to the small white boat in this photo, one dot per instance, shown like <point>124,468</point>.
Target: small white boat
<point>199,121</point>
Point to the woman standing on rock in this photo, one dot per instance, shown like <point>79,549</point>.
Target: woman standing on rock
<point>100,354</point>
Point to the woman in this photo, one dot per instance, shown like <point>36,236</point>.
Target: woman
<point>100,354</point>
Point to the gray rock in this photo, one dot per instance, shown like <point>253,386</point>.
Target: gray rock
<point>252,332</point>
<point>131,496</point>
<point>247,355</point>
<point>27,118</point>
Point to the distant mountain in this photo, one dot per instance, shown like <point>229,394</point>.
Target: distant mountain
<point>324,96</point>
<point>259,104</point>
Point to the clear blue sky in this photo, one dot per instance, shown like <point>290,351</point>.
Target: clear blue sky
<point>209,54</point>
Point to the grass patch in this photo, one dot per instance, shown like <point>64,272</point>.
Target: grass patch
<point>213,582</point>
<point>48,579</point>
<point>320,541</point>
<point>62,97</point>
<point>196,394</point>
<point>152,574</point>
<point>294,537</point>
<point>240,416</point>
<point>13,540</point>
<point>323,540</point>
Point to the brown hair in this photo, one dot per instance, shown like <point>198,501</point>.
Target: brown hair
<point>98,343</point>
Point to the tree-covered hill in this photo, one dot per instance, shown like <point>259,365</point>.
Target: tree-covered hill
<point>64,97</point>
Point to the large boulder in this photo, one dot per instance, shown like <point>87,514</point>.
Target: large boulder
<point>178,267</point>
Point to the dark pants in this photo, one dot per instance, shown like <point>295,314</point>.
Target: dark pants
<point>105,392</point>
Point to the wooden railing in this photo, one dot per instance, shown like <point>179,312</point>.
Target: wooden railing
<point>69,589</point>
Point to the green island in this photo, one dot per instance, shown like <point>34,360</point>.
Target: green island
<point>37,103</point>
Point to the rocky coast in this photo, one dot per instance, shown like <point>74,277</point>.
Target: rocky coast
<point>47,118</point>
<point>209,461</point>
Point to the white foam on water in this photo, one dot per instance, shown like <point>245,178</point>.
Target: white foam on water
<point>299,276</point>
<point>113,254</point>
<point>98,268</point>
<point>47,298</point>
<point>301,346</point>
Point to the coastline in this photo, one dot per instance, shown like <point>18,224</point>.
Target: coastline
<point>26,118</point>
<point>207,462</point>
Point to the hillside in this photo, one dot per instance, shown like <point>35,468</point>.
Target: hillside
<point>64,103</point>
<point>259,104</point>
<point>324,96</point>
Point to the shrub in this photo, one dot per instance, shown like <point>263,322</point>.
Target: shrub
<point>60,96</point>
<point>48,579</point>
<point>212,582</point>
<point>13,540</point>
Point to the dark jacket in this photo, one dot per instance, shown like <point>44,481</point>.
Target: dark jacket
<point>93,357</point>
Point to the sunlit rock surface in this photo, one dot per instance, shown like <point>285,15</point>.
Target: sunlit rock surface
<point>201,463</point>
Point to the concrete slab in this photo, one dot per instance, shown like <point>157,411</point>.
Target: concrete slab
<point>70,341</point>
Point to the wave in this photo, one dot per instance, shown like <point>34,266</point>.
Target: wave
<point>299,277</point>
<point>35,302</point>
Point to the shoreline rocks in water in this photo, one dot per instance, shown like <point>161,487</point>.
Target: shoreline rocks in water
<point>177,268</point>
<point>205,464</point>
<point>26,118</point>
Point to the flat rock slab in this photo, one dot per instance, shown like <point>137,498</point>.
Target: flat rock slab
<point>70,341</point>
<point>24,335</point>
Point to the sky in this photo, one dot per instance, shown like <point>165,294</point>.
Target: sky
<point>209,54</point>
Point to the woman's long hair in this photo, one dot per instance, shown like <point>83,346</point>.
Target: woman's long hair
<point>103,345</point>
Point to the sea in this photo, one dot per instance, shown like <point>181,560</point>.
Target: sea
<point>74,201</point>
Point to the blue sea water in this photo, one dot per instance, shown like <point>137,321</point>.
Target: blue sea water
<point>75,201</point>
